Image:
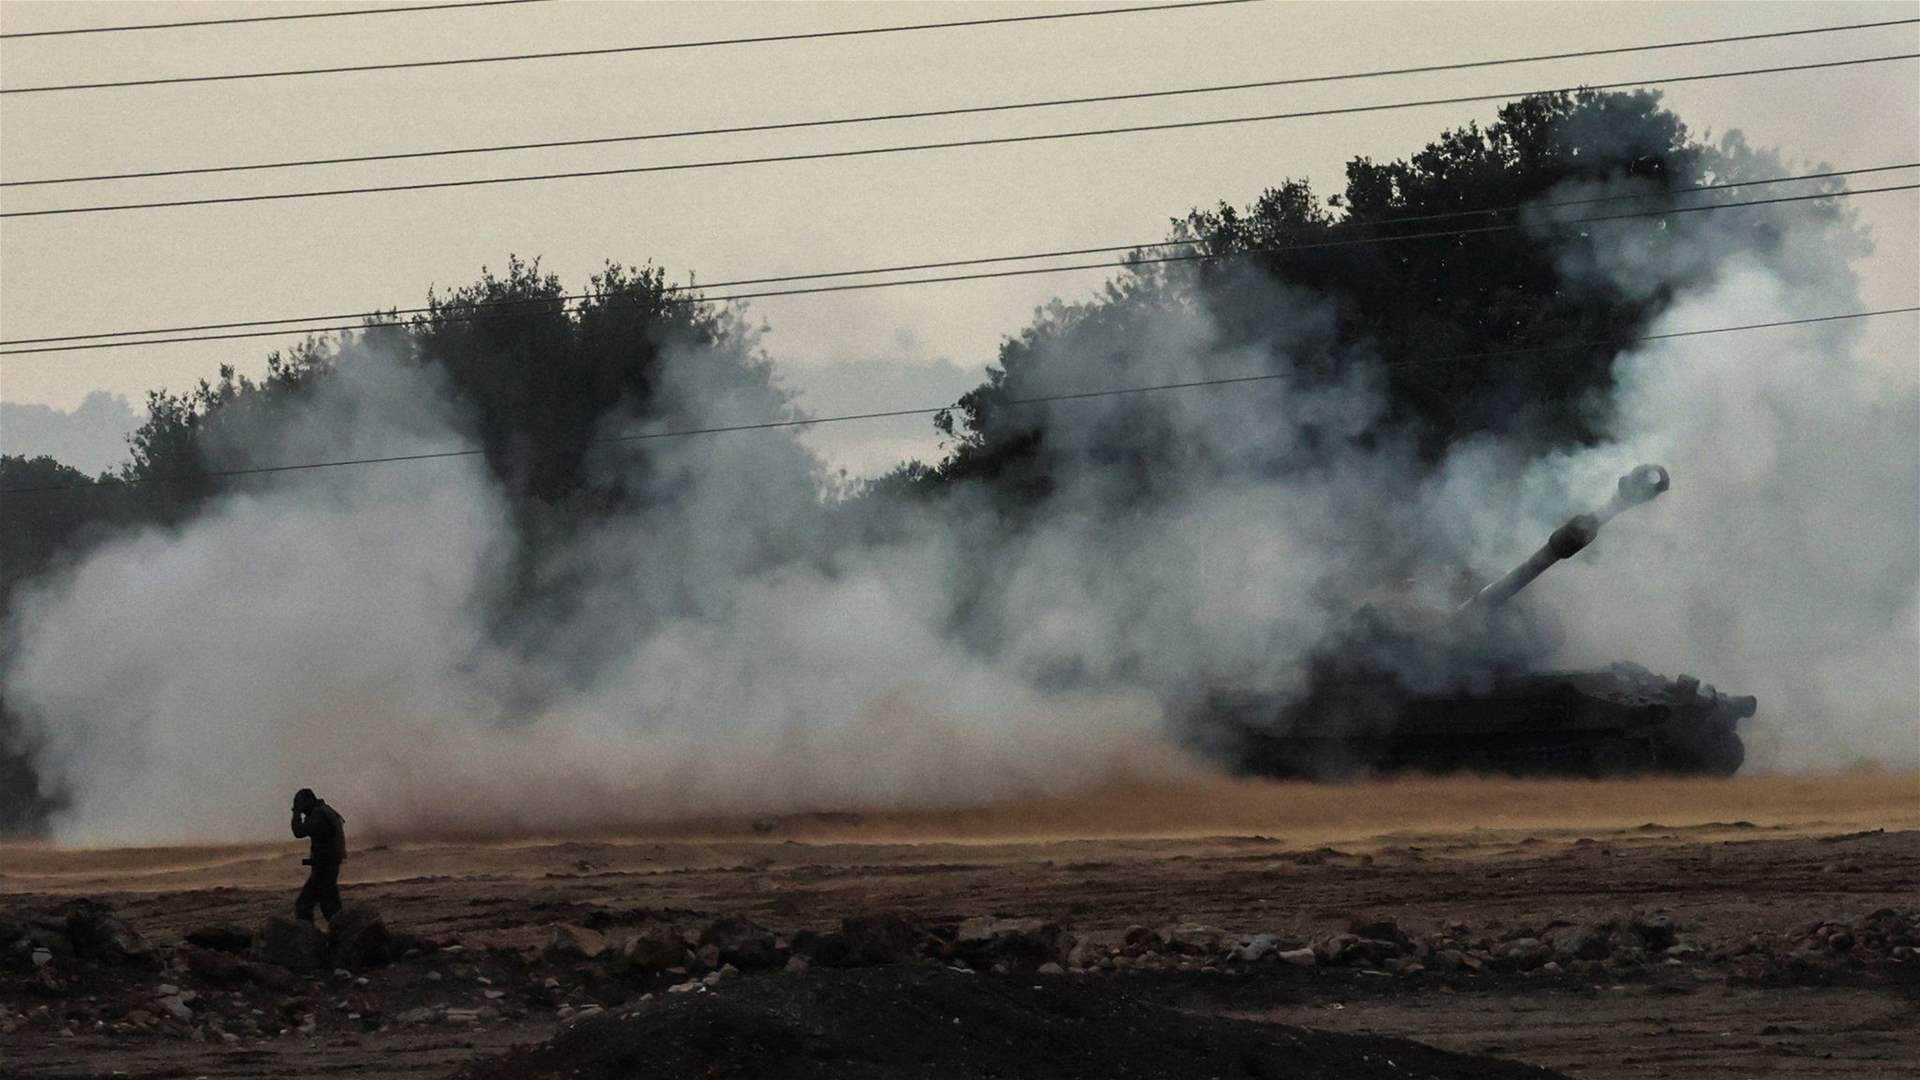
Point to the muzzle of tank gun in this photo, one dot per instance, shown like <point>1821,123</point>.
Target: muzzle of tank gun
<point>1643,484</point>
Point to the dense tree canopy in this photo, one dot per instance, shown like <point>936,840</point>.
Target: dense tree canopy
<point>1481,288</point>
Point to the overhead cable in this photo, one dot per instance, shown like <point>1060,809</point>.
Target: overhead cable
<point>976,261</point>
<point>1042,399</point>
<point>922,114</point>
<point>689,296</point>
<point>1004,140</point>
<point>260,19</point>
<point>813,35</point>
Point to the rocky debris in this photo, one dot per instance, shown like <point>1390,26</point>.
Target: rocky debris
<point>572,942</point>
<point>654,948</point>
<point>989,940</point>
<point>866,940</point>
<point>1817,951</point>
<point>98,934</point>
<point>227,970</point>
<point>290,943</point>
<point>740,942</point>
<point>221,938</point>
<point>889,1022</point>
<point>358,938</point>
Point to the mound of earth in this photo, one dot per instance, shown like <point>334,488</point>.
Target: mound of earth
<point>896,1023</point>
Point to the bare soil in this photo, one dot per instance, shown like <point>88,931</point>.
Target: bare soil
<point>1777,893</point>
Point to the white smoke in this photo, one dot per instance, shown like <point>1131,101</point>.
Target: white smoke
<point>738,647</point>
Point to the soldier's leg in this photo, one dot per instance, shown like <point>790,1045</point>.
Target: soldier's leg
<point>330,894</point>
<point>309,894</point>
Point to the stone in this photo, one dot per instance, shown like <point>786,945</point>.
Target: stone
<point>98,933</point>
<point>886,938</point>
<point>797,964</point>
<point>1087,952</point>
<point>1303,957</point>
<point>220,938</point>
<point>987,939</point>
<point>1587,942</point>
<point>1656,932</point>
<point>1377,930</point>
<point>1050,968</point>
<point>1195,939</point>
<point>176,1007</point>
<point>360,939</point>
<point>1254,948</point>
<point>654,949</point>
<point>1526,953</point>
<point>290,943</point>
<point>42,956</point>
<point>576,942</point>
<point>741,942</point>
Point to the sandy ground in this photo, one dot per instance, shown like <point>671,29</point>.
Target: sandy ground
<point>1726,860</point>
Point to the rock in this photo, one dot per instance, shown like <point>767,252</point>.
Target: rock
<point>1050,968</point>
<point>98,933</point>
<point>176,1007</point>
<point>1303,957</point>
<point>1194,939</point>
<point>1378,930</point>
<point>797,964</point>
<point>1254,948</point>
<point>220,938</point>
<point>988,941</point>
<point>576,942</point>
<point>1656,932</point>
<point>1588,942</point>
<point>1526,953</point>
<point>360,939</point>
<point>654,949</point>
<point>1139,939</point>
<point>218,968</point>
<point>42,956</point>
<point>290,943</point>
<point>741,942</point>
<point>1088,952</point>
<point>886,938</point>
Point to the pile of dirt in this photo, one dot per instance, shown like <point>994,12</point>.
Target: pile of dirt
<point>916,1022</point>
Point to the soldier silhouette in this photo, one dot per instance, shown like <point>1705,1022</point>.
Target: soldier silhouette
<point>326,833</point>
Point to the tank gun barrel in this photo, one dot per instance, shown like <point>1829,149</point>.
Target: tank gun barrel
<point>1641,485</point>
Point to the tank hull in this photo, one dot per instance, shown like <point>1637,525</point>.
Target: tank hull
<point>1620,721</point>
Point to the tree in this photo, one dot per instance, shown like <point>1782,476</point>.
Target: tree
<point>1398,307</point>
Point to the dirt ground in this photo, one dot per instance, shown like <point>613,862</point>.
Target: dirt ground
<point>1758,926</point>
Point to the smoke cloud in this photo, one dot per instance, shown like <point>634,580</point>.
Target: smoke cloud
<point>743,644</point>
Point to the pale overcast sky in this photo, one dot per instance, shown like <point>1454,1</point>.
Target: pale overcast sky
<point>863,350</point>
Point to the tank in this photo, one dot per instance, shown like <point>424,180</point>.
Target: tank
<point>1449,691</point>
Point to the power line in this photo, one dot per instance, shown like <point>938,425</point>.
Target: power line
<point>949,263</point>
<point>1078,13</point>
<point>260,19</point>
<point>742,129</point>
<point>1004,140</point>
<point>691,298</point>
<point>928,411</point>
